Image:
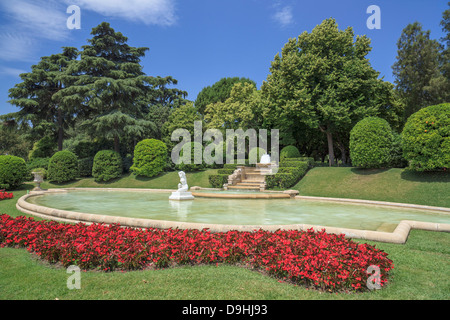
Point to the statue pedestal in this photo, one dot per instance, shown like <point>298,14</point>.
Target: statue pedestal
<point>181,195</point>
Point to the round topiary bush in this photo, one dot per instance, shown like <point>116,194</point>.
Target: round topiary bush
<point>190,165</point>
<point>426,138</point>
<point>62,167</point>
<point>150,156</point>
<point>107,165</point>
<point>289,152</point>
<point>371,143</point>
<point>13,172</point>
<point>255,154</point>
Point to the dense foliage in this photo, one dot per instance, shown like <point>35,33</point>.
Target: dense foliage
<point>107,165</point>
<point>150,156</point>
<point>371,143</point>
<point>426,138</point>
<point>13,172</point>
<point>289,152</point>
<point>62,167</point>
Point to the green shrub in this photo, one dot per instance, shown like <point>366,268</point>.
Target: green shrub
<point>225,171</point>
<point>63,167</point>
<point>218,180</point>
<point>150,156</point>
<point>13,172</point>
<point>289,173</point>
<point>396,156</point>
<point>426,138</point>
<point>85,166</point>
<point>43,148</point>
<point>107,166</point>
<point>289,152</point>
<point>196,150</point>
<point>371,143</point>
<point>36,163</point>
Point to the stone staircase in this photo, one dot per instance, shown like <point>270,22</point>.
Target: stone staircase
<point>247,178</point>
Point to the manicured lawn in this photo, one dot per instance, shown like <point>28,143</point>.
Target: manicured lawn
<point>421,265</point>
<point>421,272</point>
<point>396,185</point>
<point>167,180</point>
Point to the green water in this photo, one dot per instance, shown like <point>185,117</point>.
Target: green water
<point>157,206</point>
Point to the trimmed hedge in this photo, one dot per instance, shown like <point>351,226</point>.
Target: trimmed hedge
<point>426,138</point>
<point>107,166</point>
<point>289,173</point>
<point>218,180</point>
<point>150,156</point>
<point>63,167</point>
<point>13,172</point>
<point>289,152</point>
<point>225,171</point>
<point>371,143</point>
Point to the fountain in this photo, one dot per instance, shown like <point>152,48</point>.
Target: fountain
<point>182,193</point>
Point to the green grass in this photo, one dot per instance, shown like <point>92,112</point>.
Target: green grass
<point>421,265</point>
<point>395,185</point>
<point>421,273</point>
<point>167,180</point>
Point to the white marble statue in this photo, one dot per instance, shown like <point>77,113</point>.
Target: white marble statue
<point>182,186</point>
<point>182,193</point>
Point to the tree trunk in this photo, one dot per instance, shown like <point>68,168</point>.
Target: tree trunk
<point>60,130</point>
<point>116,144</point>
<point>330,148</point>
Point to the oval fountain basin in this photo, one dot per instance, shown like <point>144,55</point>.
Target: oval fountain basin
<point>157,206</point>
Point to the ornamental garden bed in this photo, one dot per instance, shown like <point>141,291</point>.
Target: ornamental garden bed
<point>310,258</point>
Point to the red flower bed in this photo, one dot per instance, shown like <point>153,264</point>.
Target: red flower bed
<point>326,261</point>
<point>5,195</point>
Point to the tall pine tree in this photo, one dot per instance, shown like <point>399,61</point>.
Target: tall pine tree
<point>417,71</point>
<point>112,85</point>
<point>38,97</point>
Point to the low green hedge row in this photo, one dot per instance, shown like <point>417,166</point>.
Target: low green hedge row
<point>217,180</point>
<point>289,173</point>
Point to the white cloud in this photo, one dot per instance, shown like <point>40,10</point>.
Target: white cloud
<point>14,72</point>
<point>38,18</point>
<point>157,12</point>
<point>284,16</point>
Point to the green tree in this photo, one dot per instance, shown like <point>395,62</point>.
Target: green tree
<point>112,85</point>
<point>181,118</point>
<point>241,110</point>
<point>162,99</point>
<point>417,71</point>
<point>37,95</point>
<point>218,92</point>
<point>324,80</point>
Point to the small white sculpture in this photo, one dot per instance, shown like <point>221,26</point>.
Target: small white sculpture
<point>182,192</point>
<point>182,186</point>
<point>265,159</point>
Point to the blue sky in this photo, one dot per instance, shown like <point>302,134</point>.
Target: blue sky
<point>198,42</point>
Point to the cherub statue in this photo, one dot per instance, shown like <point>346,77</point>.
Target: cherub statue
<point>182,186</point>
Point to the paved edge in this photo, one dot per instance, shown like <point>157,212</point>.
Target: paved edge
<point>399,235</point>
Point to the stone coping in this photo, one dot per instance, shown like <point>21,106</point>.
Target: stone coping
<point>399,235</point>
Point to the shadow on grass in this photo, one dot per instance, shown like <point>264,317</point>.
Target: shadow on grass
<point>366,172</point>
<point>426,176</point>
